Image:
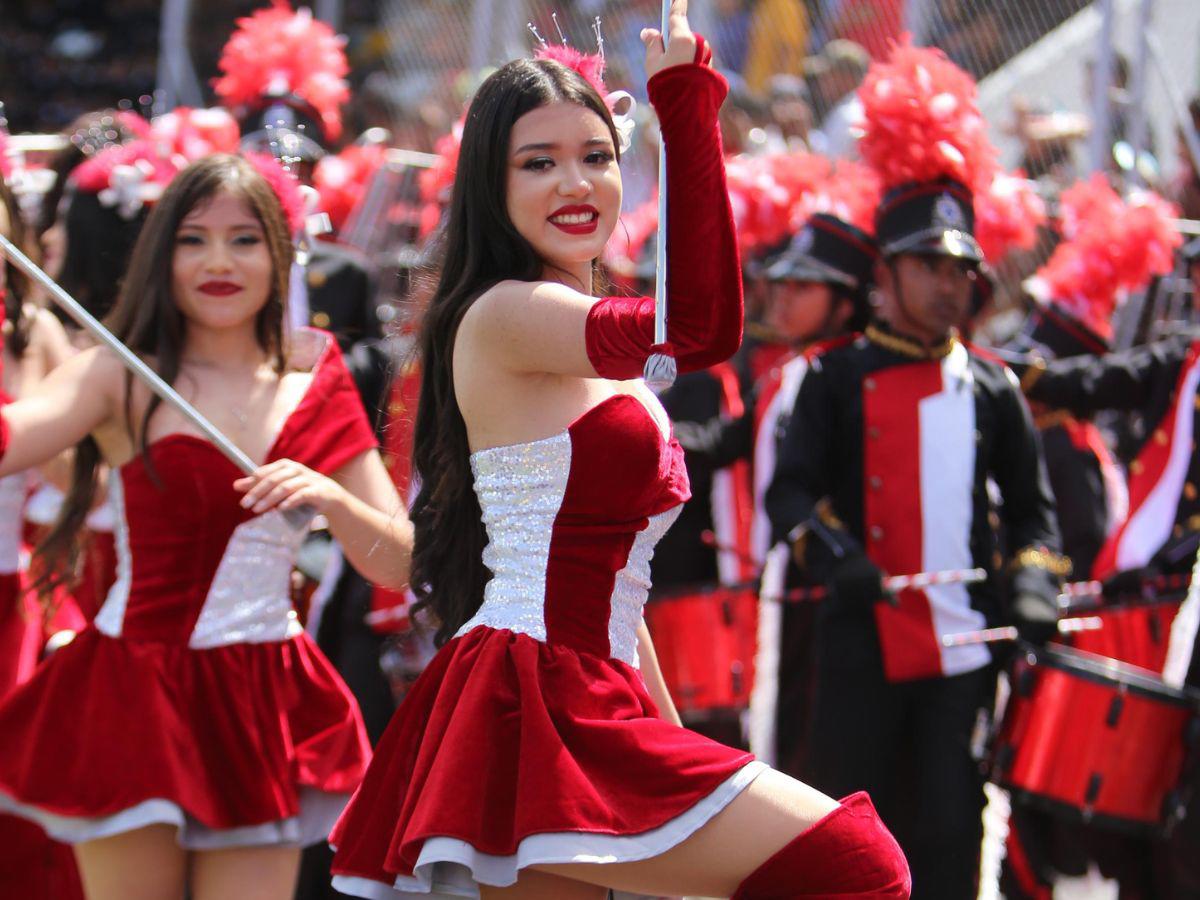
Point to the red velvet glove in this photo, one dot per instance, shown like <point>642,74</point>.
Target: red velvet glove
<point>704,277</point>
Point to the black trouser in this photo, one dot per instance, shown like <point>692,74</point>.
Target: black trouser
<point>354,649</point>
<point>909,746</point>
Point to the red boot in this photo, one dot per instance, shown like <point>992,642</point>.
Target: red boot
<point>849,853</point>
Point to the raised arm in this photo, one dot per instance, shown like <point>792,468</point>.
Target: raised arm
<point>547,327</point>
<point>1126,381</point>
<point>61,410</point>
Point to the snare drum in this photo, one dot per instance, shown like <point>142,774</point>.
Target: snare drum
<point>1094,739</point>
<point>705,644</point>
<point>1134,633</point>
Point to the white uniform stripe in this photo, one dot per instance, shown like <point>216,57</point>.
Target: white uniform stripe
<point>947,447</point>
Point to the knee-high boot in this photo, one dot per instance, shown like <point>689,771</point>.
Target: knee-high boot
<point>848,854</point>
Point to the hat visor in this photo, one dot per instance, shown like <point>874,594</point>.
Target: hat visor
<point>804,268</point>
<point>957,244</point>
<point>283,144</point>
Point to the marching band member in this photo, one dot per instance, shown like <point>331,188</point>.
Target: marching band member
<point>884,468</point>
<point>217,738</point>
<point>1159,380</point>
<point>533,754</point>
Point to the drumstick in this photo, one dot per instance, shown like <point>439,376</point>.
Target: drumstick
<point>1079,589</point>
<point>892,583</point>
<point>660,368</point>
<point>1010,633</point>
<point>148,376</point>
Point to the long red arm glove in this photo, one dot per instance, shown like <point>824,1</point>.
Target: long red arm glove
<point>704,278</point>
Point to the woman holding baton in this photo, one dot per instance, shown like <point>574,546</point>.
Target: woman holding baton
<point>193,738</point>
<point>539,754</point>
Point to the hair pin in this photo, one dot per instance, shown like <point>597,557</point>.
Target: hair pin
<point>537,34</point>
<point>599,36</point>
<point>562,37</point>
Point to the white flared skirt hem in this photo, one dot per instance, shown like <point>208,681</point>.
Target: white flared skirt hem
<point>448,867</point>
<point>319,811</point>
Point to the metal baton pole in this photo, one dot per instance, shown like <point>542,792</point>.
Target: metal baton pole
<point>660,369</point>
<point>151,378</point>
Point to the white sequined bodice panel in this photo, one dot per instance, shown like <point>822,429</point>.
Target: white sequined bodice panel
<point>250,600</point>
<point>520,490</point>
<point>523,493</point>
<point>13,491</point>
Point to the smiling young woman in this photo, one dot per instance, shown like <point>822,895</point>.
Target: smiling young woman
<point>217,739</point>
<point>539,754</point>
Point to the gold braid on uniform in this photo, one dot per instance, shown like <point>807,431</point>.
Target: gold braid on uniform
<point>1041,558</point>
<point>1037,366</point>
<point>907,346</point>
<point>1052,419</point>
<point>825,514</point>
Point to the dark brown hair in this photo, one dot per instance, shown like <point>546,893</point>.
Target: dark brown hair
<point>14,279</point>
<point>480,247</point>
<point>147,321</point>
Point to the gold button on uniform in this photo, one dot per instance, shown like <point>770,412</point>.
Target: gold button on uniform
<point>317,278</point>
<point>320,319</point>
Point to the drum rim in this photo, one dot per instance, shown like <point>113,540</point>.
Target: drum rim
<point>1071,812</point>
<point>1108,671</point>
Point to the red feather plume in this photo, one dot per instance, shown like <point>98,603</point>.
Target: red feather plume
<point>850,190</point>
<point>285,186</point>
<point>922,120</point>
<point>1007,215</point>
<point>281,51</point>
<point>1111,246</point>
<point>436,182</point>
<point>195,133</point>
<point>589,65</point>
<point>342,180</point>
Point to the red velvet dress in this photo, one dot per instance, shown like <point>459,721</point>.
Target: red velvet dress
<point>195,698</point>
<point>530,737</point>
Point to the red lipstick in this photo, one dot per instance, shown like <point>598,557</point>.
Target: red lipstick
<point>584,219</point>
<point>219,288</point>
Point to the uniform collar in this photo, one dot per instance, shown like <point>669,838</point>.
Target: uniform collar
<point>883,336</point>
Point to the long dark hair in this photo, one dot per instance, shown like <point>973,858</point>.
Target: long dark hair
<point>147,321</point>
<point>480,247</point>
<point>17,339</point>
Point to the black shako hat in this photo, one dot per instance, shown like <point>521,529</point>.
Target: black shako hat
<point>826,250</point>
<point>928,217</point>
<point>285,126</point>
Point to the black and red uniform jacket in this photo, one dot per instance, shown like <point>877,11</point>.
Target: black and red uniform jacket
<point>890,450</point>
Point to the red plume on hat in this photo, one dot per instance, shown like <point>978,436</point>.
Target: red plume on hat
<point>342,180</point>
<point>1111,246</point>
<point>278,51</point>
<point>758,202</point>
<point>285,186</point>
<point>195,133</point>
<point>922,120</point>
<point>850,191</point>
<point>1007,215</point>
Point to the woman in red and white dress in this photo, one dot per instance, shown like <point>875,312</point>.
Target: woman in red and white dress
<point>539,754</point>
<point>193,738</point>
